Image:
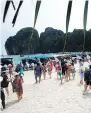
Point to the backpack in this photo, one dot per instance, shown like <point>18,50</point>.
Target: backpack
<point>17,69</point>
<point>88,75</point>
<point>3,69</point>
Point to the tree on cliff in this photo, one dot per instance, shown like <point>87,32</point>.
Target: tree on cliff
<point>19,43</point>
<point>75,41</point>
<point>49,40</point>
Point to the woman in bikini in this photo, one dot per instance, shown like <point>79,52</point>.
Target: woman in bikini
<point>68,71</point>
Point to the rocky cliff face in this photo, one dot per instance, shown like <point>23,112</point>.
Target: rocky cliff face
<point>22,42</point>
<point>50,41</point>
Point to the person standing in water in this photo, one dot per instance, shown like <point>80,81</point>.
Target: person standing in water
<point>38,72</point>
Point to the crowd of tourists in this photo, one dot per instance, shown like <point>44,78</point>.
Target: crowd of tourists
<point>64,68</point>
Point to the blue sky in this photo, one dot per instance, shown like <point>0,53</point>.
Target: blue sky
<point>52,14</point>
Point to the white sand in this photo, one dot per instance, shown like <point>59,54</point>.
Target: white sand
<point>50,97</point>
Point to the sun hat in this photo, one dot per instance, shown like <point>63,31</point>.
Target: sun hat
<point>15,73</point>
<point>5,65</point>
<point>9,65</point>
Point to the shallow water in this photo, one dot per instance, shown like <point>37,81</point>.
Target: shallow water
<point>18,58</point>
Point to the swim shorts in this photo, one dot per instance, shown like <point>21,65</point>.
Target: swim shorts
<point>88,82</point>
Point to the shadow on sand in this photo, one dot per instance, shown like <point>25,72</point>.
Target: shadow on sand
<point>9,104</point>
<point>87,95</point>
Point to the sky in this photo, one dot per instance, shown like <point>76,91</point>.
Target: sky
<point>52,14</point>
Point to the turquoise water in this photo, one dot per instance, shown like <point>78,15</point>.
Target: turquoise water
<point>17,58</point>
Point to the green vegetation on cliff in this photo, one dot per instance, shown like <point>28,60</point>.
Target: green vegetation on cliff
<point>21,42</point>
<point>50,41</point>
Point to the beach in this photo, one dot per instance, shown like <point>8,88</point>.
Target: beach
<point>49,96</point>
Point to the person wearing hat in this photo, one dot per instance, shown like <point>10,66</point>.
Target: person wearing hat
<point>2,94</point>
